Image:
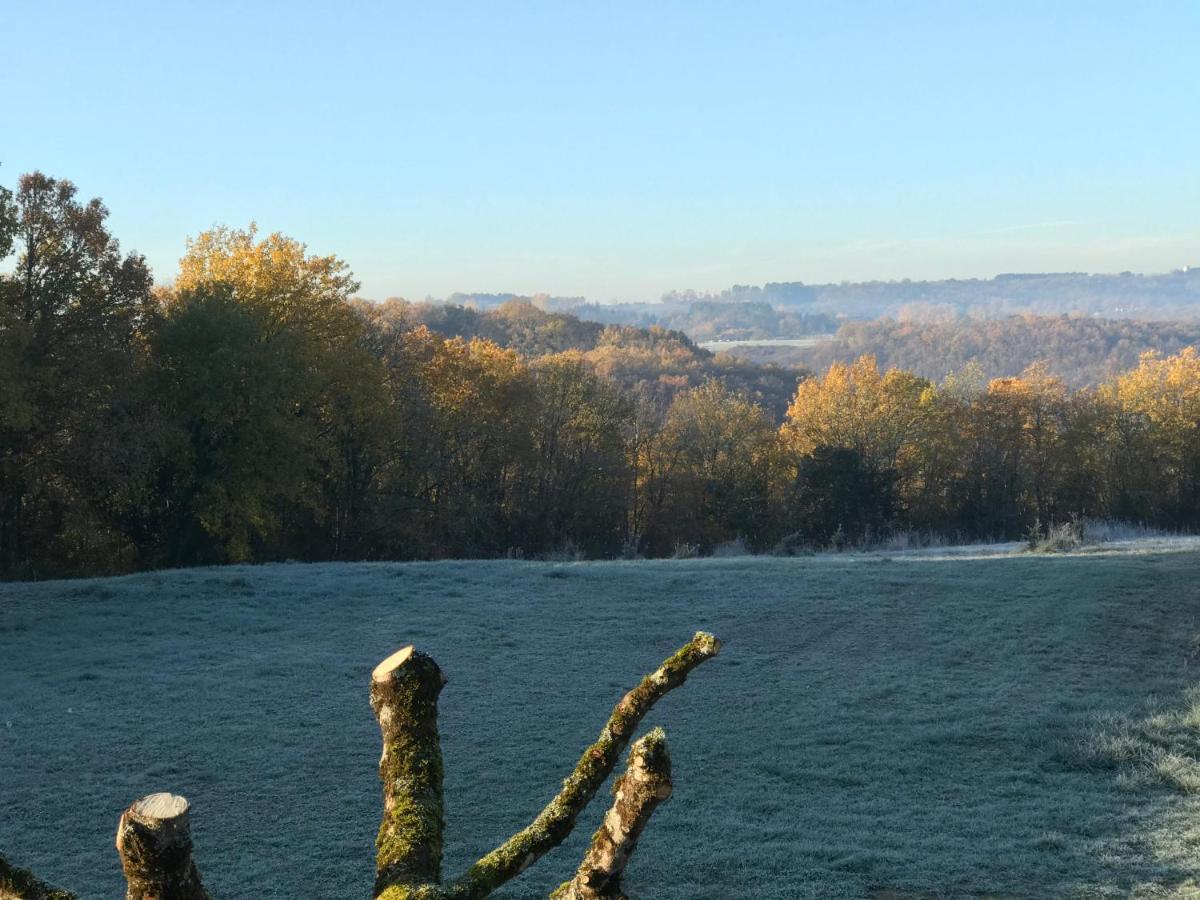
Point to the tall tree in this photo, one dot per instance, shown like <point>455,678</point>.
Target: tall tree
<point>852,436</point>
<point>1155,436</point>
<point>483,402</point>
<point>576,488</point>
<point>265,368</point>
<point>70,313</point>
<point>714,465</point>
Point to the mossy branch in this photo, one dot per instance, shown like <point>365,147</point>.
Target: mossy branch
<point>154,838</point>
<point>556,821</point>
<point>645,784</point>
<point>404,693</point>
<point>21,884</point>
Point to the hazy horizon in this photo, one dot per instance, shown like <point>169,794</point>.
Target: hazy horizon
<point>762,282</point>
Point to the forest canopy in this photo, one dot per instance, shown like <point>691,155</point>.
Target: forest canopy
<point>254,410</point>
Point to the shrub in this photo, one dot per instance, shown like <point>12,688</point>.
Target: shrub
<point>1060,538</point>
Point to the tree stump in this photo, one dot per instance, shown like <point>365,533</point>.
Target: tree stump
<point>404,694</point>
<point>154,842</point>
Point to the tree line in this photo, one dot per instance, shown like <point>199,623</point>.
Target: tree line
<point>253,410</point>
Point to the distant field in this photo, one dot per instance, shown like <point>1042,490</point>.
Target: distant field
<point>811,340</point>
<point>875,727</point>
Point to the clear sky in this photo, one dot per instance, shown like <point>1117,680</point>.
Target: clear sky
<point>618,150</point>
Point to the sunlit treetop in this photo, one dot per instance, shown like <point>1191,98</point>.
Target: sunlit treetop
<point>276,275</point>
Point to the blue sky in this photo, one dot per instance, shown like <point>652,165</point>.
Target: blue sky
<point>618,150</point>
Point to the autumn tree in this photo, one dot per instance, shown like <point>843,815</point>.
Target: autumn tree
<point>256,410</point>
<point>1153,438</point>
<point>850,436</point>
<point>264,369</point>
<point>577,486</point>
<point>481,404</point>
<point>710,472</point>
<point>942,488</point>
<point>1028,426</point>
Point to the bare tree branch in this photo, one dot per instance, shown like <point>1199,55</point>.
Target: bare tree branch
<point>637,793</point>
<point>154,838</point>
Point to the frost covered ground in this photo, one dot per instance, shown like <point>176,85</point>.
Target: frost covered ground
<point>938,723</point>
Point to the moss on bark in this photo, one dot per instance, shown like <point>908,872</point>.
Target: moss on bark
<point>645,784</point>
<point>21,884</point>
<point>156,853</point>
<point>154,840</point>
<point>409,844</point>
<point>557,820</point>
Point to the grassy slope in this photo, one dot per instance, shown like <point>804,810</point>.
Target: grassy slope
<point>872,723</point>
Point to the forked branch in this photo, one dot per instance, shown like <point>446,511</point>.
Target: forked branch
<point>556,821</point>
<point>155,844</point>
<point>637,793</point>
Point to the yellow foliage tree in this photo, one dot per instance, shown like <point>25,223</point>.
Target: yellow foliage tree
<point>1154,416</point>
<point>1165,393</point>
<point>857,407</point>
<point>482,400</point>
<point>708,475</point>
<point>276,276</point>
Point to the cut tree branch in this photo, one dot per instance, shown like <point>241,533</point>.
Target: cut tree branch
<point>154,842</point>
<point>645,784</point>
<point>155,845</point>
<point>556,821</point>
<point>404,693</point>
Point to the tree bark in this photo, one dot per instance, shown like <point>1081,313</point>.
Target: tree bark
<point>154,842</point>
<point>404,693</point>
<point>556,821</point>
<point>645,784</point>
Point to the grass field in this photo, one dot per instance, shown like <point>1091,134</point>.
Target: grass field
<point>875,726</point>
<point>811,340</point>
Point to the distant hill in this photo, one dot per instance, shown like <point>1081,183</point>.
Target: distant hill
<point>1172,295</point>
<point>652,362</point>
<point>1086,326</point>
<point>795,309</point>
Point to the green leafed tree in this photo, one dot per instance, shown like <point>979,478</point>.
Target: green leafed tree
<point>71,451</point>
<point>264,371</point>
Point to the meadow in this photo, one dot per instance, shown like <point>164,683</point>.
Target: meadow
<point>811,340</point>
<point>932,725</point>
